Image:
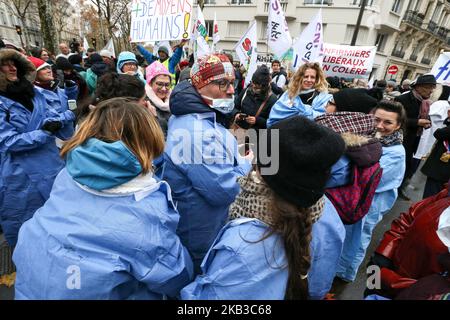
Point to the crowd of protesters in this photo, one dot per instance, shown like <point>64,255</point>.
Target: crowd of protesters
<point>139,174</point>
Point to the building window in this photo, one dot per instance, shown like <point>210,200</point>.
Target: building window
<point>397,6</point>
<point>4,20</point>
<point>381,41</point>
<point>369,3</point>
<point>210,1</point>
<point>362,34</point>
<point>237,28</point>
<point>210,27</point>
<point>241,1</point>
<point>329,2</point>
<point>263,31</point>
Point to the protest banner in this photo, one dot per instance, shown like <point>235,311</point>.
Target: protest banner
<point>153,20</point>
<point>348,61</point>
<point>441,69</point>
<point>247,53</point>
<point>279,38</point>
<point>309,46</point>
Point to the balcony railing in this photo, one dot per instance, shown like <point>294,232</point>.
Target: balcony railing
<point>432,26</point>
<point>413,18</point>
<point>426,60</point>
<point>398,53</point>
<point>413,57</point>
<point>283,6</point>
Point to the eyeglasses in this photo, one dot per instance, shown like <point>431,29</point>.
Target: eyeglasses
<point>160,85</point>
<point>223,84</point>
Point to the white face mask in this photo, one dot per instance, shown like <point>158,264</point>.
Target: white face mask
<point>224,106</point>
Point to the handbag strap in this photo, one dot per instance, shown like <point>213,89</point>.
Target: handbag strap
<point>263,104</point>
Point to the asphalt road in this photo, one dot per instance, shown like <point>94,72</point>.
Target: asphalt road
<point>351,291</point>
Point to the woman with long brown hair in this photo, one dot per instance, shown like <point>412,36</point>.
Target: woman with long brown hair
<point>108,230</point>
<point>306,96</point>
<point>280,241</point>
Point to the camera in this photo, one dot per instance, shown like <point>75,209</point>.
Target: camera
<point>242,116</point>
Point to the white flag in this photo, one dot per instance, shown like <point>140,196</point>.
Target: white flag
<point>279,38</point>
<point>85,44</point>
<point>309,46</point>
<point>110,47</point>
<point>246,50</point>
<point>216,36</point>
<point>201,36</point>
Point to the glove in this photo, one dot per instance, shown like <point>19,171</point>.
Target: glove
<point>69,83</point>
<point>52,126</point>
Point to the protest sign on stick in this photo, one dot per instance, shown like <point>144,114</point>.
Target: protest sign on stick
<point>153,20</point>
<point>348,61</point>
<point>441,69</point>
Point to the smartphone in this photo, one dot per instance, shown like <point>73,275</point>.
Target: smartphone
<point>242,116</point>
<point>244,148</point>
<point>72,104</point>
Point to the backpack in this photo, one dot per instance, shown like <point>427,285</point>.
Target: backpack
<point>352,201</point>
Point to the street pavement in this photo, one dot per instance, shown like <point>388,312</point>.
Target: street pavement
<point>351,291</point>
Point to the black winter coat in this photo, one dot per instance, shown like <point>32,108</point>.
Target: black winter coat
<point>250,105</point>
<point>434,167</point>
<point>412,108</point>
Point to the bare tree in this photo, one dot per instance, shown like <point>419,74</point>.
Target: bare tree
<point>62,11</point>
<point>45,10</point>
<point>113,16</point>
<point>20,9</point>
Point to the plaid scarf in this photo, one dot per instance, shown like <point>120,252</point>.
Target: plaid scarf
<point>390,140</point>
<point>355,122</point>
<point>255,199</point>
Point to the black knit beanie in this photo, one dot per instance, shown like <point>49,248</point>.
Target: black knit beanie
<point>354,100</point>
<point>261,76</point>
<point>63,64</point>
<point>307,151</point>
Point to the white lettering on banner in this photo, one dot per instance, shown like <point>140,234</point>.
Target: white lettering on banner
<point>153,20</point>
<point>441,69</point>
<point>348,61</point>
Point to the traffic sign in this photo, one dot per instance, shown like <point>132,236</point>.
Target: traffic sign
<point>393,69</point>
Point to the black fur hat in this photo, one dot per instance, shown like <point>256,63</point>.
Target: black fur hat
<point>354,100</point>
<point>307,151</point>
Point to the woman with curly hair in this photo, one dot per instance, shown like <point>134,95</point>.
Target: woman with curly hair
<point>307,95</point>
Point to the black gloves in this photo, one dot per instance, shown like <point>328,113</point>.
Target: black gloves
<point>69,83</point>
<point>52,126</point>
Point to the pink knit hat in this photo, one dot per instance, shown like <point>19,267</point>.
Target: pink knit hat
<point>156,69</point>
